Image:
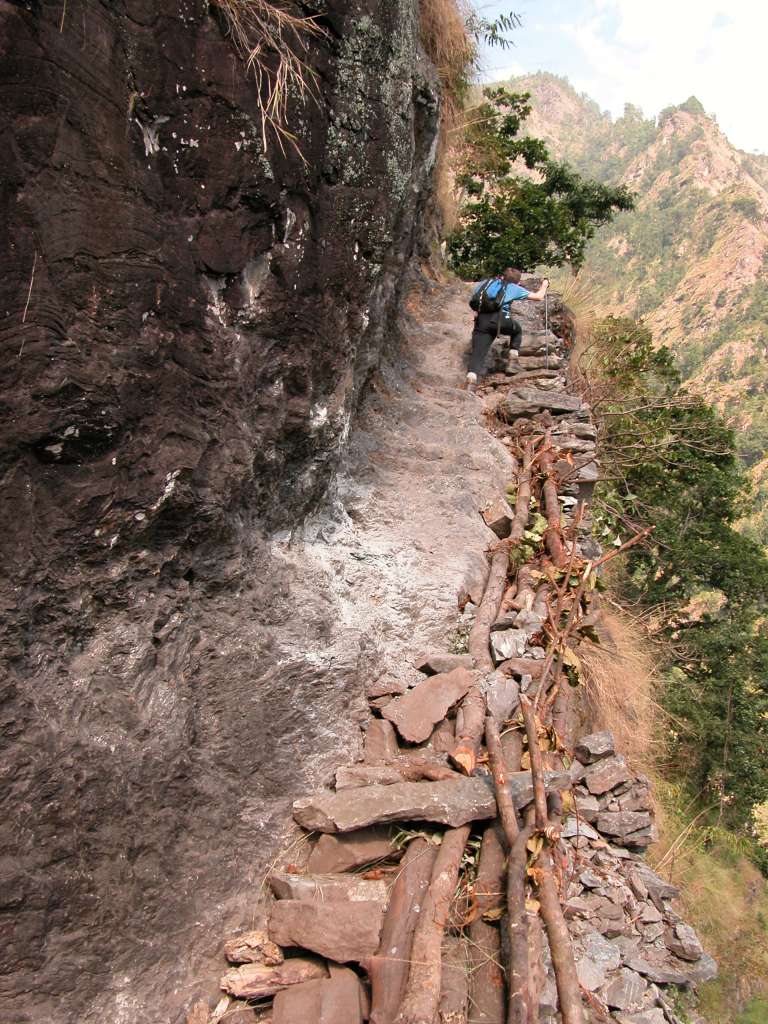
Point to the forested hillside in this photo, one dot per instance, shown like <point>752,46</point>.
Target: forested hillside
<point>690,258</point>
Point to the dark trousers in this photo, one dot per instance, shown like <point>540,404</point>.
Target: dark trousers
<point>486,329</point>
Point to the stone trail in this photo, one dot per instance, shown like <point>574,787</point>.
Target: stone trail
<point>325,938</point>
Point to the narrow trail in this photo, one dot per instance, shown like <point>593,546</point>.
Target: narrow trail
<point>482,861</point>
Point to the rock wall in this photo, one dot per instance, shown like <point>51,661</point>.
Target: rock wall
<point>188,323</point>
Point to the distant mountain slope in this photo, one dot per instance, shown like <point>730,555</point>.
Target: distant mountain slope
<point>691,259</point>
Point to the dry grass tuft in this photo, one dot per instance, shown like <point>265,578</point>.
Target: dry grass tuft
<point>273,43</point>
<point>450,46</point>
<point>619,678</point>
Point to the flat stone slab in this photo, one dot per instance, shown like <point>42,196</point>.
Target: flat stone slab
<point>683,941</point>
<point>625,991</point>
<point>498,517</point>
<point>452,802</point>
<point>380,741</point>
<point>400,769</point>
<point>605,774</point>
<point>340,930</point>
<point>527,401</point>
<point>417,712</point>
<point>337,1000</point>
<point>343,853</point>
<point>325,888</point>
<point>257,981</point>
<point>622,823</point>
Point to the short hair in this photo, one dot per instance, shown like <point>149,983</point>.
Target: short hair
<point>516,274</point>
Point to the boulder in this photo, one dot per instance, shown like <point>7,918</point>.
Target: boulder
<point>625,990</point>
<point>344,853</point>
<point>595,747</point>
<point>603,775</point>
<point>338,929</point>
<point>327,888</point>
<point>436,664</point>
<point>705,969</point>
<point>498,517</point>
<point>417,712</point>
<point>252,947</point>
<point>451,802</point>
<point>380,741</point>
<point>257,981</point>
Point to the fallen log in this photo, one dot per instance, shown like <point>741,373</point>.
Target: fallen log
<point>553,536</point>
<point>488,612</point>
<point>422,992</point>
<point>486,983</point>
<point>388,969</point>
<point>470,719</point>
<point>454,983</point>
<point>566,978</point>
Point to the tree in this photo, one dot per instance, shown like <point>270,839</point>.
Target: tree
<point>544,217</point>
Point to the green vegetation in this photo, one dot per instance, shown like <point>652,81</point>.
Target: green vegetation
<point>546,217</point>
<point>672,463</point>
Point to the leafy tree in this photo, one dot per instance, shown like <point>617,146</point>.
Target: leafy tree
<point>545,217</point>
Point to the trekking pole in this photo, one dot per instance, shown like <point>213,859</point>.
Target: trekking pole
<point>546,329</point>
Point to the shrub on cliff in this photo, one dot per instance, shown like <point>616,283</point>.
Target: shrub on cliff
<point>671,462</point>
<point>545,216</point>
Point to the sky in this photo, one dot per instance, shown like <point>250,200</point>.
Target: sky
<point>653,53</point>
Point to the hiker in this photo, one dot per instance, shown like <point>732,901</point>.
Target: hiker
<point>491,301</point>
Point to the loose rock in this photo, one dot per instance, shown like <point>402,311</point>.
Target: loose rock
<point>625,991</point>
<point>416,713</point>
<point>605,774</point>
<point>438,664</point>
<point>252,948</point>
<point>595,747</point>
<point>683,941</point>
<point>333,854</point>
<point>257,981</point>
<point>380,741</point>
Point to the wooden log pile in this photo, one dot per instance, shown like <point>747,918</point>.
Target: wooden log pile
<point>441,887</point>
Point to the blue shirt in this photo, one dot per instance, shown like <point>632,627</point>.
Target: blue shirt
<point>511,292</point>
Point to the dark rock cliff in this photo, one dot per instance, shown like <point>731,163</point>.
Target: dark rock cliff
<point>187,323</point>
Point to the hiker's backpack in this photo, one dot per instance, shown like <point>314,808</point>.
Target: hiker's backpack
<point>481,301</point>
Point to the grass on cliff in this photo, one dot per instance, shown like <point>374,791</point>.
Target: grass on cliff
<point>273,43</point>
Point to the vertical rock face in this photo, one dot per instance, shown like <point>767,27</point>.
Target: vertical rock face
<point>186,323</point>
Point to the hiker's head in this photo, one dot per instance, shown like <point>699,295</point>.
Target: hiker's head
<point>512,275</point>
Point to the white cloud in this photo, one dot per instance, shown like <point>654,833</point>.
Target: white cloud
<point>657,53</point>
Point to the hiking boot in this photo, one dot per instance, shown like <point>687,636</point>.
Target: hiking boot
<point>513,365</point>
<point>471,381</point>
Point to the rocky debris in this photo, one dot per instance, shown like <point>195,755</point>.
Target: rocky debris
<point>551,362</point>
<point>339,999</point>
<point>651,1016</point>
<point>252,947</point>
<point>257,981</point>
<point>417,712</point>
<point>607,774</point>
<point>335,854</point>
<point>328,888</point>
<point>380,741</point>
<point>594,747</point>
<point>529,401</point>
<point>438,664</point>
<point>341,930</point>
<point>498,517</point>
